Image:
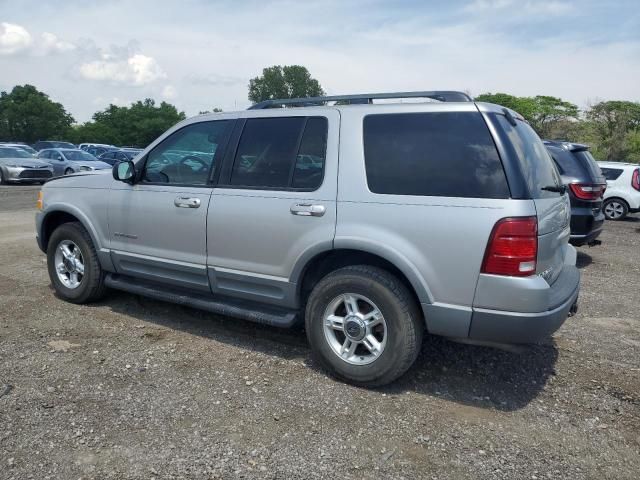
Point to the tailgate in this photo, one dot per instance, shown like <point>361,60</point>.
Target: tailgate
<point>554,214</point>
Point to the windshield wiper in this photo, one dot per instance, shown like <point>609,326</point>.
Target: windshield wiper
<point>561,189</point>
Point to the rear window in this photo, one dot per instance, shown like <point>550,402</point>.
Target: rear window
<point>611,173</point>
<point>536,164</point>
<point>588,161</point>
<point>449,154</point>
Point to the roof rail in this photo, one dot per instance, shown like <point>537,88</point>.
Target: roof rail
<point>361,98</point>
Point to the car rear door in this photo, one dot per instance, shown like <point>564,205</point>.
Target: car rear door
<point>275,203</point>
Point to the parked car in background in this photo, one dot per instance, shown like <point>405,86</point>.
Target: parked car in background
<point>623,189</point>
<point>114,156</point>
<point>66,161</point>
<point>96,151</point>
<point>85,146</point>
<point>586,185</point>
<point>370,222</point>
<point>18,166</point>
<point>22,146</point>
<point>42,144</point>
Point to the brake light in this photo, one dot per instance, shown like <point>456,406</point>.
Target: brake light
<point>635,179</point>
<point>513,247</point>
<point>587,191</point>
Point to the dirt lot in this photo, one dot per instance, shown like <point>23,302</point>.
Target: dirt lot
<point>133,388</point>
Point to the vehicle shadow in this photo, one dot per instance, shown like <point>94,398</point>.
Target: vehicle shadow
<point>470,375</point>
<point>583,260</point>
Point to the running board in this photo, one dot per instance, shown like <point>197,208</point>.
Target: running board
<point>254,312</point>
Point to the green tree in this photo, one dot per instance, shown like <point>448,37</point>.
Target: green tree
<point>28,115</point>
<point>138,124</point>
<point>289,81</point>
<point>544,113</point>
<point>614,127</point>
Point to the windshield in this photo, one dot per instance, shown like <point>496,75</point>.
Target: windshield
<point>79,156</point>
<point>10,152</point>
<point>131,153</point>
<point>26,148</point>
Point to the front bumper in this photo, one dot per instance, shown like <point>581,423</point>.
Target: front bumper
<point>27,175</point>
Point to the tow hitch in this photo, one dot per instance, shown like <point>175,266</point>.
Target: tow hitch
<point>573,310</point>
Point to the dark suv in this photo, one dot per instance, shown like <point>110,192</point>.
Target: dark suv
<point>580,172</point>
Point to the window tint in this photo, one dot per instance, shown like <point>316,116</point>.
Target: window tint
<point>266,152</point>
<point>438,154</point>
<point>187,156</point>
<point>311,155</point>
<point>535,162</point>
<point>611,173</point>
<point>585,157</point>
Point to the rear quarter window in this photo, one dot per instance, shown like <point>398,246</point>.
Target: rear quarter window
<point>536,165</point>
<point>449,154</point>
<point>611,173</point>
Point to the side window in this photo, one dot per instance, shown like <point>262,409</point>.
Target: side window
<point>611,173</point>
<point>266,152</point>
<point>309,166</point>
<point>188,155</point>
<point>449,154</point>
<point>44,154</point>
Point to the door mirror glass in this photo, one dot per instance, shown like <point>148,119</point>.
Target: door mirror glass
<point>124,171</point>
<point>58,157</point>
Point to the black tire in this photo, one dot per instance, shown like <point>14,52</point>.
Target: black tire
<point>2,180</point>
<point>404,324</point>
<point>91,286</point>
<point>619,209</point>
<point>68,171</point>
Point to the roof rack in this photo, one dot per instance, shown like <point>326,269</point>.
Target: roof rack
<point>361,98</point>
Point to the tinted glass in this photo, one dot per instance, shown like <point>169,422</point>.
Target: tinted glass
<point>309,166</point>
<point>611,173</point>
<point>7,152</point>
<point>187,156</point>
<point>78,156</point>
<point>267,152</point>
<point>535,162</point>
<point>447,154</point>
<point>585,157</point>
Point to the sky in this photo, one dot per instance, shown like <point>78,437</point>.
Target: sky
<point>200,54</point>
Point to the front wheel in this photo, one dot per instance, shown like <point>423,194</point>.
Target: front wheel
<point>363,325</point>
<point>73,265</point>
<point>2,179</point>
<point>615,209</point>
<point>68,171</point>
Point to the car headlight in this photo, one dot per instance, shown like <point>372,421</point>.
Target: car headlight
<point>85,169</point>
<point>11,165</point>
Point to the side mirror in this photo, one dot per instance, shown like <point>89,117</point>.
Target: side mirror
<point>124,171</point>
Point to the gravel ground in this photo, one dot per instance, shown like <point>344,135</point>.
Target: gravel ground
<point>134,388</point>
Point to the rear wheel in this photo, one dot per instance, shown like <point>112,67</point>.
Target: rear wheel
<point>73,264</point>
<point>615,209</point>
<point>363,325</point>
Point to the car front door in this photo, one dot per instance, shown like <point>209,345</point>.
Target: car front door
<point>157,226</point>
<point>274,205</point>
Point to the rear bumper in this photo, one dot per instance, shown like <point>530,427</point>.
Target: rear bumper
<point>516,327</point>
<point>586,225</point>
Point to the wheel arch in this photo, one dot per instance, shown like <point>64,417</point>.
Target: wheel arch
<point>310,270</point>
<point>57,215</point>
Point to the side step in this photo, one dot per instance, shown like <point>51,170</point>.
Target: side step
<point>266,314</point>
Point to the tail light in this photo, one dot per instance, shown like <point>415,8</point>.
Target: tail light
<point>635,179</point>
<point>513,247</point>
<point>587,191</point>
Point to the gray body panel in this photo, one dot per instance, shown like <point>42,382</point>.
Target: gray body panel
<point>246,244</point>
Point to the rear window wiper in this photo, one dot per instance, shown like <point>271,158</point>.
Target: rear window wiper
<point>561,189</point>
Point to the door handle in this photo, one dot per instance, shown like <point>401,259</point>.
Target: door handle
<point>308,210</point>
<point>186,202</point>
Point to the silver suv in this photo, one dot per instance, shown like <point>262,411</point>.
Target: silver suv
<point>372,222</point>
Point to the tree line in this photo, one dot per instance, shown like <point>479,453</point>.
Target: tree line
<point>611,128</point>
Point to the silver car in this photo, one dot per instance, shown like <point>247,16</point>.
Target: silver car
<point>66,161</point>
<point>371,222</point>
<point>18,166</point>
